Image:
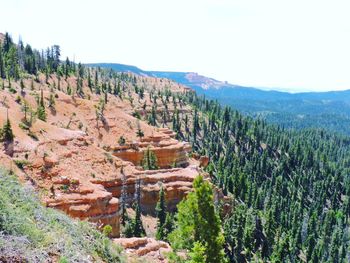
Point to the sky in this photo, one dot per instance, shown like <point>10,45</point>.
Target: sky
<point>295,45</point>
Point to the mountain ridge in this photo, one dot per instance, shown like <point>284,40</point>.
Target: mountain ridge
<point>326,109</point>
<point>195,79</point>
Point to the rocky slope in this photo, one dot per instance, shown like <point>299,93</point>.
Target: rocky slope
<point>74,157</point>
<point>147,249</point>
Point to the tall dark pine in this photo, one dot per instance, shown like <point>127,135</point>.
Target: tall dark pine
<point>2,66</point>
<point>161,215</point>
<point>124,215</point>
<point>7,42</point>
<point>139,230</point>
<point>56,56</point>
<point>7,134</point>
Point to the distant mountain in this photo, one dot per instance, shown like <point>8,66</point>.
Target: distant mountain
<point>212,87</point>
<point>330,110</point>
<point>119,67</point>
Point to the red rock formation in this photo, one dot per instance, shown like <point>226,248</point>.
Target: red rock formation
<point>97,205</point>
<point>169,152</point>
<point>65,168</point>
<point>148,249</point>
<point>203,161</point>
<point>177,183</point>
<point>74,160</point>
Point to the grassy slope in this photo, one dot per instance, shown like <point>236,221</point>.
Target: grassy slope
<point>32,232</point>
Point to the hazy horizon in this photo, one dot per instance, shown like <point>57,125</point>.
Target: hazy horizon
<point>284,45</point>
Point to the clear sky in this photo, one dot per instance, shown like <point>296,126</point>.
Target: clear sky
<point>298,45</point>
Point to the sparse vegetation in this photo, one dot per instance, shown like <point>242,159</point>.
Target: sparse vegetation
<point>35,233</point>
<point>149,161</point>
<point>109,157</point>
<point>21,163</point>
<point>121,140</point>
<point>134,227</point>
<point>6,134</point>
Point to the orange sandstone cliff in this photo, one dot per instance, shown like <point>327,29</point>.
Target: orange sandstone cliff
<point>74,157</point>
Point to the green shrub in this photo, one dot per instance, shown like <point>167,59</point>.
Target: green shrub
<point>41,113</point>
<point>107,230</point>
<point>23,126</point>
<point>137,115</point>
<point>12,90</point>
<point>21,163</point>
<point>121,140</point>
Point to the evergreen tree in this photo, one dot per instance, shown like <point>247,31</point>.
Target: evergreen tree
<point>149,161</point>
<point>139,132</point>
<point>41,113</point>
<point>161,215</point>
<point>124,216</point>
<point>138,231</point>
<point>7,134</point>
<point>2,66</point>
<point>22,86</point>
<point>25,108</point>
<point>197,221</point>
<point>197,254</point>
<point>168,226</point>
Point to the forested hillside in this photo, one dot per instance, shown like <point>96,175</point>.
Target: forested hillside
<point>291,189</point>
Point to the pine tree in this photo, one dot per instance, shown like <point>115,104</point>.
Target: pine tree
<point>124,215</point>
<point>41,113</point>
<point>139,132</point>
<point>52,101</point>
<point>89,80</point>
<point>139,231</point>
<point>168,226</point>
<point>59,82</point>
<point>96,79</point>
<point>22,86</point>
<point>2,66</point>
<point>7,134</point>
<point>198,253</point>
<point>67,68</point>
<point>25,108</point>
<point>195,127</point>
<point>149,161</point>
<point>161,215</point>
<point>197,221</point>
<point>42,103</point>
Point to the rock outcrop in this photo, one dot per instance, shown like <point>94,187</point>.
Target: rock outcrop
<point>148,249</point>
<point>65,169</point>
<point>96,205</point>
<point>86,182</point>
<point>169,152</point>
<point>177,183</point>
